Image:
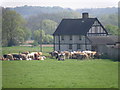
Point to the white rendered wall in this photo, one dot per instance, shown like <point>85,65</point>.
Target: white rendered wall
<point>64,44</point>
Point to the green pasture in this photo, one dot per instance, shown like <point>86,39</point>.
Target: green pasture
<point>17,49</point>
<point>60,74</point>
<point>50,73</point>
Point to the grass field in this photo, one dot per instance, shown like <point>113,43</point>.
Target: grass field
<point>60,74</point>
<point>17,49</point>
<point>51,73</point>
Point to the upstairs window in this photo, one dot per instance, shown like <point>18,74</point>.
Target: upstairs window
<point>70,37</point>
<point>70,46</point>
<point>62,37</point>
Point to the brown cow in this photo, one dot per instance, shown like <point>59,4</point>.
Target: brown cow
<point>9,57</point>
<point>41,58</point>
<point>67,54</point>
<point>40,53</point>
<point>2,58</point>
<point>23,56</point>
<point>27,52</point>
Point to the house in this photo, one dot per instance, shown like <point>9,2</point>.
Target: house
<point>78,34</point>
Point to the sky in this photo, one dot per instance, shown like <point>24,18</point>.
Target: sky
<point>73,4</point>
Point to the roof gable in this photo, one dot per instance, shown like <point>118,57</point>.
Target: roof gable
<point>74,26</point>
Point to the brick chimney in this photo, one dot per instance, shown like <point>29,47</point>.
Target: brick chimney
<point>85,15</point>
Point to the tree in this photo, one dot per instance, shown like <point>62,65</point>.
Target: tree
<point>49,26</point>
<point>39,35</point>
<point>48,39</point>
<point>112,29</point>
<point>13,28</point>
<point>111,19</point>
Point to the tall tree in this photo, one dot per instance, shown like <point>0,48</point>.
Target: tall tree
<point>40,36</point>
<point>13,28</point>
<point>48,39</point>
<point>49,26</point>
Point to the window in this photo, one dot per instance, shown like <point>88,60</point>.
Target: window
<point>80,37</point>
<point>62,37</point>
<point>70,37</point>
<point>78,46</point>
<point>70,46</point>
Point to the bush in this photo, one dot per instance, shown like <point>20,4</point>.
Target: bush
<point>35,43</point>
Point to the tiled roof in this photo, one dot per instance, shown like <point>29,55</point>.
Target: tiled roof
<point>103,39</point>
<point>75,26</point>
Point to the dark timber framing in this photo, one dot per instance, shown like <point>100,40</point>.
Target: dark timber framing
<point>85,43</point>
<point>54,43</point>
<point>59,41</point>
<point>102,27</point>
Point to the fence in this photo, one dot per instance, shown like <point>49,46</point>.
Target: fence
<point>113,53</point>
<point>110,52</point>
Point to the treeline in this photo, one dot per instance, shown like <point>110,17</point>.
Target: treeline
<point>96,12</point>
<point>110,22</point>
<point>49,22</point>
<point>15,30</point>
<point>27,11</point>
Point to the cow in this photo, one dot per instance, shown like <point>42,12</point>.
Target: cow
<point>5,56</point>
<point>60,55</point>
<point>1,58</point>
<point>31,55</point>
<point>16,56</point>
<point>27,52</point>
<point>41,58</point>
<point>67,54</point>
<point>23,57</point>
<point>54,54</point>
<point>9,57</point>
<point>40,53</point>
<point>78,55</point>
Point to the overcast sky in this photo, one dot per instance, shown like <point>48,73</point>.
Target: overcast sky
<point>74,4</point>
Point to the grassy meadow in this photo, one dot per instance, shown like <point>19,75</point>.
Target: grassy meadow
<point>50,73</point>
<point>17,49</point>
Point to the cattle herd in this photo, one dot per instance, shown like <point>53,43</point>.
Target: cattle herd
<point>24,56</point>
<point>60,55</point>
